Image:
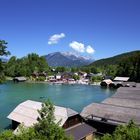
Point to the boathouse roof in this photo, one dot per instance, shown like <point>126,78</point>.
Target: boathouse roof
<point>121,79</point>
<point>20,78</point>
<point>107,81</point>
<point>123,106</point>
<point>123,102</point>
<point>79,131</point>
<point>27,113</point>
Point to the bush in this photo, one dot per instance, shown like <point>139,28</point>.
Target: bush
<point>96,79</point>
<point>7,135</point>
<point>76,77</point>
<point>41,78</point>
<point>124,132</point>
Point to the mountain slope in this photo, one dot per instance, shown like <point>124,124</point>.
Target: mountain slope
<point>115,59</point>
<point>66,59</point>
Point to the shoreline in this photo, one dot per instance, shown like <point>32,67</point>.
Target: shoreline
<point>51,83</point>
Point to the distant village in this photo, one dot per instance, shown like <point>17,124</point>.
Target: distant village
<point>78,78</point>
<point>63,78</point>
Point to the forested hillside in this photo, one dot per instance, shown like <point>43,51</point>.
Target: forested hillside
<point>115,60</point>
<point>126,64</point>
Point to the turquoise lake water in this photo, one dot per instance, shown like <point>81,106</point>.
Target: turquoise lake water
<point>72,96</point>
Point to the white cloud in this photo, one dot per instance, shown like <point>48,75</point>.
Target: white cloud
<point>55,38</point>
<point>89,49</point>
<point>79,47</point>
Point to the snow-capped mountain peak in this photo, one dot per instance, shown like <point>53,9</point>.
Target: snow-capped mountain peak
<point>68,59</point>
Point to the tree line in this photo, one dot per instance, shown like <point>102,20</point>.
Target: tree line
<point>3,52</point>
<point>25,66</point>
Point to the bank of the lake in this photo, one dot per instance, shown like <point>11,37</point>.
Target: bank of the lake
<point>73,96</point>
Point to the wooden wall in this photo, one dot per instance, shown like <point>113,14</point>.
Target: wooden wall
<point>71,121</point>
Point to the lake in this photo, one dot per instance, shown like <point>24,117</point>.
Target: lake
<point>72,96</point>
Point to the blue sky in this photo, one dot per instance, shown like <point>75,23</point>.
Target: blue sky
<point>95,28</point>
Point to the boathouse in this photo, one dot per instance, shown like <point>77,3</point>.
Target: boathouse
<point>71,121</point>
<point>122,107</point>
<point>121,79</point>
<point>19,79</point>
<point>121,82</point>
<point>105,82</point>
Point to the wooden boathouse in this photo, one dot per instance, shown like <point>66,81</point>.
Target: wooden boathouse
<point>122,107</point>
<point>118,82</point>
<point>19,79</point>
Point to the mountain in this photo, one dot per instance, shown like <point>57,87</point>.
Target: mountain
<point>67,59</point>
<point>115,59</point>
